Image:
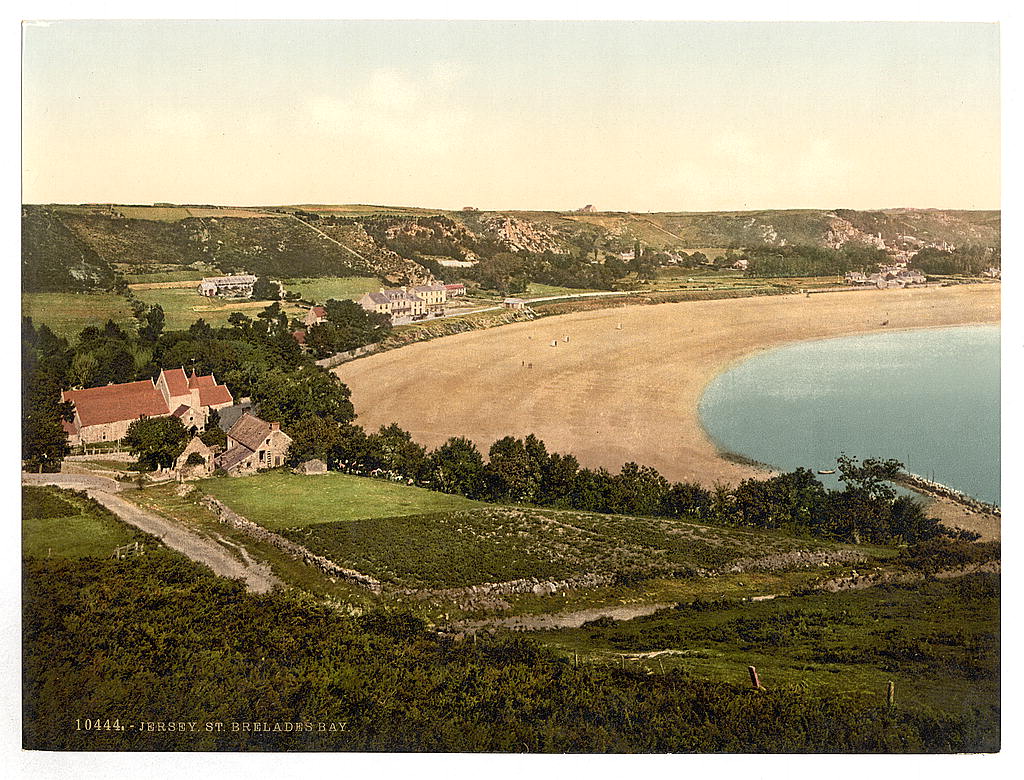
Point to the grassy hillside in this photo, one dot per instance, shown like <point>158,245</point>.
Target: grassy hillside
<point>81,247</point>
<point>417,538</point>
<point>939,641</point>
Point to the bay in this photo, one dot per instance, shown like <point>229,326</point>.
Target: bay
<point>929,398</point>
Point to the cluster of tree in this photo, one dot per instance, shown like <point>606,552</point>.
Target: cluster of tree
<point>805,260</point>
<point>266,289</point>
<point>510,272</point>
<point>348,326</point>
<point>519,471</point>
<point>967,260</point>
<point>206,648</point>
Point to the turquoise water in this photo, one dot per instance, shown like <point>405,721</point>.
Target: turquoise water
<point>929,398</point>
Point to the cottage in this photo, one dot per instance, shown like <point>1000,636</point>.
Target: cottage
<point>315,316</point>
<point>514,303</point>
<point>254,444</point>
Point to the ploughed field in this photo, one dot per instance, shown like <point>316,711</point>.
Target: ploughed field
<point>610,394</point>
<point>414,538</point>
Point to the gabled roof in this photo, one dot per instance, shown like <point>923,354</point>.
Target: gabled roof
<point>319,311</point>
<point>195,381</point>
<point>377,297</point>
<point>113,403</point>
<point>250,431</point>
<point>216,394</point>
<point>180,411</point>
<point>177,383</point>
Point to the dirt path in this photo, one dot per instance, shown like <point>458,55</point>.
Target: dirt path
<point>615,394</point>
<point>257,576</point>
<point>563,619</point>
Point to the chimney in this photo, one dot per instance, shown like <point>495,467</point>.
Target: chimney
<point>275,426</point>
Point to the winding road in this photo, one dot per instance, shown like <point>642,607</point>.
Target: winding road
<point>257,576</point>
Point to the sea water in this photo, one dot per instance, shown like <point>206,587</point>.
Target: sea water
<point>929,398</point>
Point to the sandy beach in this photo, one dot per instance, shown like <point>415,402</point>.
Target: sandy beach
<point>611,394</point>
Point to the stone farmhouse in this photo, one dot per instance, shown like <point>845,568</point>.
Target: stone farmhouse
<point>253,444</point>
<point>104,413</point>
<point>315,316</point>
<point>238,286</point>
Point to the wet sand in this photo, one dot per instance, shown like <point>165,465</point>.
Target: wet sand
<point>611,395</point>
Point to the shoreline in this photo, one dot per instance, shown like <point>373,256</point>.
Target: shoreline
<point>626,385</point>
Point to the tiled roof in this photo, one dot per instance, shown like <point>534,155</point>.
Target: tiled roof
<point>196,381</point>
<point>250,431</point>
<point>299,336</point>
<point>377,297</point>
<point>69,427</point>
<point>319,311</point>
<point>215,394</point>
<point>177,384</point>
<point>128,401</point>
<point>180,411</point>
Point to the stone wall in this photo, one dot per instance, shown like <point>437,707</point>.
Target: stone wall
<point>258,532</point>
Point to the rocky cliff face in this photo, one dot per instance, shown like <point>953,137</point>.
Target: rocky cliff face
<point>521,235</point>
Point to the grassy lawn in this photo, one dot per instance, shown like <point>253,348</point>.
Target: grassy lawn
<point>279,499</point>
<point>938,641</point>
<point>57,523</point>
<point>67,313</point>
<point>183,306</point>
<point>337,287</point>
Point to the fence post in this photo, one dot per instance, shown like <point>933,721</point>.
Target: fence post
<point>754,679</point>
<point>890,694</point>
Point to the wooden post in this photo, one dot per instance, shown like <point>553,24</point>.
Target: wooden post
<point>575,659</point>
<point>890,695</point>
<point>754,680</point>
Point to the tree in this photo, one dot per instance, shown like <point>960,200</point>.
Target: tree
<point>457,467</point>
<point>393,449</point>
<point>156,442</point>
<point>264,289</point>
<point>314,438</point>
<point>289,396</point>
<point>512,475</point>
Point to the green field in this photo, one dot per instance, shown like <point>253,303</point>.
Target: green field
<point>183,306</point>
<point>938,641</point>
<point>497,544</point>
<point>58,523</point>
<point>67,313</point>
<point>279,499</point>
<point>415,537</point>
<point>535,290</point>
<point>337,287</point>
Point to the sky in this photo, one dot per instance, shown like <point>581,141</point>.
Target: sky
<point>631,116</point>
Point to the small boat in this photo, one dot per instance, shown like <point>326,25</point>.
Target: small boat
<point>826,471</point>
